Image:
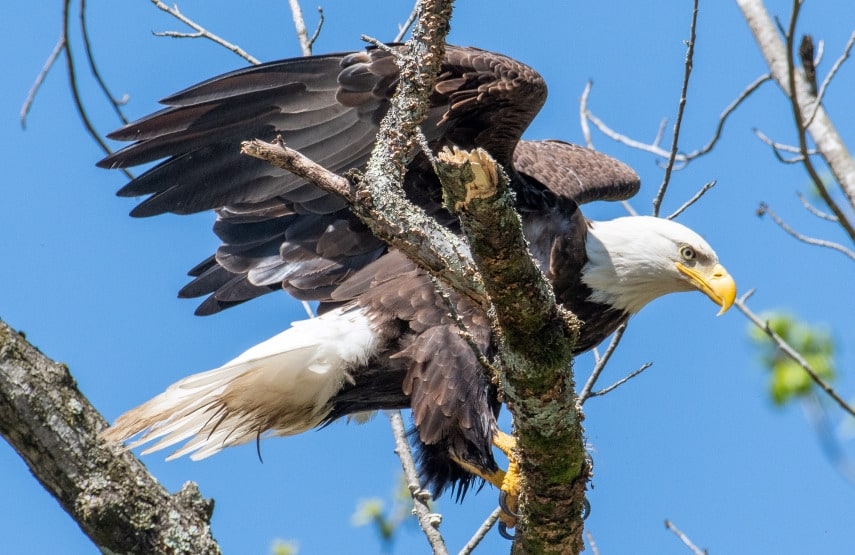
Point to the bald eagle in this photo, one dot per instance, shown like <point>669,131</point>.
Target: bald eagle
<point>383,338</point>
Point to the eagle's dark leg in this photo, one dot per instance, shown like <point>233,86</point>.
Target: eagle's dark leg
<point>508,481</point>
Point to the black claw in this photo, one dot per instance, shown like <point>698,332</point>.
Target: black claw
<point>503,503</point>
<point>503,531</point>
<point>586,509</point>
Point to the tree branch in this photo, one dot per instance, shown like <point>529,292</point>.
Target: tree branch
<point>535,339</point>
<point>788,350</point>
<point>428,520</point>
<point>107,490</point>
<point>828,141</point>
<point>403,226</point>
<point>200,32</point>
<point>764,209</point>
<point>681,107</point>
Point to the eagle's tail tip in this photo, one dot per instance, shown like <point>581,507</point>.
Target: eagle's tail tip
<point>282,386</point>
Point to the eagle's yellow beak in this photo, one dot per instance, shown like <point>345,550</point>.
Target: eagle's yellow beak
<point>714,282</point>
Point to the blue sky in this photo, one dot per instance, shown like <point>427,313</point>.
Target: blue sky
<point>695,439</point>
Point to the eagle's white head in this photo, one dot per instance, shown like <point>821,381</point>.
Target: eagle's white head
<point>635,259</point>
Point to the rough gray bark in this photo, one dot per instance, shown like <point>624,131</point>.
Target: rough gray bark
<point>107,490</point>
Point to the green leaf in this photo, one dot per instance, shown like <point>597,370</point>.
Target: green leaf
<point>787,379</point>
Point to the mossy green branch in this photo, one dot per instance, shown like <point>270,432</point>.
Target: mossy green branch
<point>536,337</point>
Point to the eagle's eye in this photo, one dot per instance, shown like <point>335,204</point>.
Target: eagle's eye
<point>687,252</point>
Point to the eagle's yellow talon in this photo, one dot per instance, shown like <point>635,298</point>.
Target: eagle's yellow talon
<point>508,481</point>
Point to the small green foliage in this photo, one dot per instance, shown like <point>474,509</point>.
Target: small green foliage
<point>787,379</point>
<point>373,512</point>
<point>284,547</point>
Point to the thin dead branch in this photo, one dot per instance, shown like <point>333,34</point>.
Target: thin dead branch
<point>402,29</point>
<point>306,42</point>
<point>695,198</point>
<point>778,148</point>
<point>684,538</point>
<point>595,550</point>
<point>40,78</point>
<point>814,210</point>
<point>200,32</point>
<point>601,364</point>
<point>791,352</point>
<point>681,108</point>
<point>728,110</point>
<point>764,209</point>
<point>621,381</point>
<point>428,520</point>
<point>481,532</point>
<point>75,91</point>
<point>116,103</point>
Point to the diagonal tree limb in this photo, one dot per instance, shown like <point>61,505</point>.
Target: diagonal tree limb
<point>107,490</point>
<point>791,352</point>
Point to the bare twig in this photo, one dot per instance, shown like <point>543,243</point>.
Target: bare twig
<point>764,209</point>
<point>684,538</point>
<point>591,543</point>
<point>681,107</point>
<point>420,237</point>
<point>116,103</point>
<point>601,364</point>
<point>777,148</point>
<point>695,198</point>
<point>201,32</point>
<point>377,43</point>
<point>481,532</point>
<point>428,520</point>
<point>653,147</point>
<point>31,95</point>
<point>320,26</point>
<point>621,381</point>
<point>629,208</point>
<point>300,26</point>
<point>788,350</point>
<point>75,91</point>
<point>623,139</point>
<point>308,308</point>
<point>281,156</point>
<point>814,210</point>
<point>402,29</point>
<point>583,114</point>
<point>728,110</point>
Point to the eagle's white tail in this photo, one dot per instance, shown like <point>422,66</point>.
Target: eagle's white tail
<point>282,386</point>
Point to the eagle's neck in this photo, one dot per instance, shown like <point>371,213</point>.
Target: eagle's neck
<point>626,263</point>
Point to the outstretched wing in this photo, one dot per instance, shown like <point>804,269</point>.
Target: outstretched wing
<point>277,230</point>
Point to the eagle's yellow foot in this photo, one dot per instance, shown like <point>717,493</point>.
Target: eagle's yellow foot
<point>510,481</point>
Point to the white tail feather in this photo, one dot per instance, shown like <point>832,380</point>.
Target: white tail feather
<point>282,386</point>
